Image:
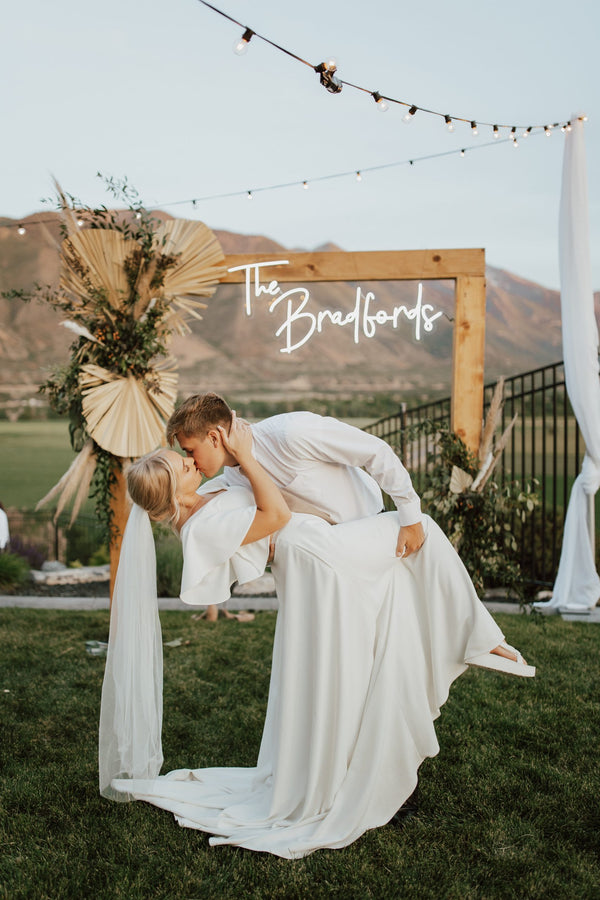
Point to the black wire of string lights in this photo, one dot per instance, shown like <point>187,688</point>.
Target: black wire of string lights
<point>333,84</point>
<point>304,183</point>
<point>331,81</point>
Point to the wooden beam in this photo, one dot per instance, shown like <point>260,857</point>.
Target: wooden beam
<point>376,265</point>
<point>466,409</point>
<point>120,513</point>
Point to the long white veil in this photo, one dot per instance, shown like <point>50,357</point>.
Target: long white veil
<point>131,706</point>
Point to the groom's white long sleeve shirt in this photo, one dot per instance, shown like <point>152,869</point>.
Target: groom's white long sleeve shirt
<point>318,463</point>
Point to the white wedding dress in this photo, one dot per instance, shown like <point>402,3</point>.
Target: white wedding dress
<point>366,648</point>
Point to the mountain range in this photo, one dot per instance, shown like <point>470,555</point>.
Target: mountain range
<point>241,355</point>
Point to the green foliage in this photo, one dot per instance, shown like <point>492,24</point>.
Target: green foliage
<point>14,571</point>
<point>169,562</point>
<point>477,522</point>
<point>83,540</point>
<point>99,557</point>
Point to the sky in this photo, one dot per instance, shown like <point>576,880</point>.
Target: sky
<point>152,91</point>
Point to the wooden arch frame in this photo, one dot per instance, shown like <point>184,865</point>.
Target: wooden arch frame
<point>465,267</point>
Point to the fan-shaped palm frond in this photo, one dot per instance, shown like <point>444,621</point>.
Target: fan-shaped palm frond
<point>123,415</point>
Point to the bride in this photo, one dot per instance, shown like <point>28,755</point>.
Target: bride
<point>366,648</point>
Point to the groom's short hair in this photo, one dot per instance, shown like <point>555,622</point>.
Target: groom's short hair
<point>197,415</point>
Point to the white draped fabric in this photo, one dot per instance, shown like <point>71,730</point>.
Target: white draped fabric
<point>577,585</point>
<point>131,708</point>
<point>366,648</point>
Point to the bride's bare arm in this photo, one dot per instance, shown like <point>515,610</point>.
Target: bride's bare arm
<point>272,512</point>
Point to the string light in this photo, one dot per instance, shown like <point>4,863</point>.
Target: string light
<point>356,173</point>
<point>381,104</point>
<point>496,132</point>
<point>240,47</point>
<point>527,132</point>
<point>334,84</point>
<point>80,223</point>
<point>449,123</point>
<point>327,77</point>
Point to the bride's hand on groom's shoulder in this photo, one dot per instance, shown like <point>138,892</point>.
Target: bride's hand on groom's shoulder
<point>239,440</point>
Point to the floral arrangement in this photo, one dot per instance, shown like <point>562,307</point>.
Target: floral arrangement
<point>476,512</point>
<point>128,281</point>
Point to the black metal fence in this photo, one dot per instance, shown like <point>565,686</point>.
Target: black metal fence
<point>78,543</point>
<point>545,444</point>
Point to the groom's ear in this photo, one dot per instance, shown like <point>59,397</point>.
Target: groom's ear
<point>214,437</point>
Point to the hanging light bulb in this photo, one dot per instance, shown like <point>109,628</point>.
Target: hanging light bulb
<point>138,214</point>
<point>409,116</point>
<point>21,230</point>
<point>449,123</point>
<point>547,130</point>
<point>474,127</point>
<point>381,104</point>
<point>568,127</point>
<point>240,47</point>
<point>249,195</point>
<point>527,132</point>
<point>496,132</point>
<point>305,185</point>
<point>358,176</point>
<point>327,76</point>
<point>462,152</point>
<point>80,222</point>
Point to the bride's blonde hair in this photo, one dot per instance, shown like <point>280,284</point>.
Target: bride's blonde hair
<point>152,483</point>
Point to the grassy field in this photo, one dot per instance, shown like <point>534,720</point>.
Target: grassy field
<point>34,456</point>
<point>509,808</point>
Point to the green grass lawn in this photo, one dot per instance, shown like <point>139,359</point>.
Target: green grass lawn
<point>34,456</point>
<point>509,808</point>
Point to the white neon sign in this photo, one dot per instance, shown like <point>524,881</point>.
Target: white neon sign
<point>301,324</point>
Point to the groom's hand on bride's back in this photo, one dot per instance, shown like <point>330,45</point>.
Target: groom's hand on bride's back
<point>410,539</point>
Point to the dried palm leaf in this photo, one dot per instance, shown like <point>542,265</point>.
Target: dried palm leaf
<point>199,267</point>
<point>79,330</point>
<point>95,258</point>
<point>77,479</point>
<point>460,480</point>
<point>122,414</point>
<point>68,215</point>
<point>487,437</point>
<point>498,450</point>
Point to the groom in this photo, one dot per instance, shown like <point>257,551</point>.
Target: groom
<point>315,461</point>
